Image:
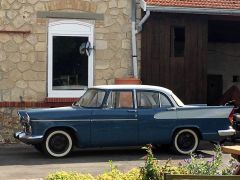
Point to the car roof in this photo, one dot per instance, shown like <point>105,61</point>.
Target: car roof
<point>134,86</point>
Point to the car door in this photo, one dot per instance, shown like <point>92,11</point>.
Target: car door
<point>116,123</point>
<point>155,114</point>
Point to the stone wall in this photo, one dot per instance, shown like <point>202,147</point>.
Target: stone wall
<point>23,49</point>
<point>23,55</point>
<point>8,124</point>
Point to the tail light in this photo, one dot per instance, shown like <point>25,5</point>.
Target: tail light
<point>230,117</point>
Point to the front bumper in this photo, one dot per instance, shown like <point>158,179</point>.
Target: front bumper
<point>227,132</point>
<point>28,139</point>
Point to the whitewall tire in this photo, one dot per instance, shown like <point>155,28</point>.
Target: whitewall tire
<point>185,141</point>
<point>58,143</point>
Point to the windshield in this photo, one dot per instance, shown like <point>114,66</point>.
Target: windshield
<point>92,98</point>
<point>177,100</point>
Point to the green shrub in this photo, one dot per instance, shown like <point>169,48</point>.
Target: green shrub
<point>133,174</point>
<point>63,175</point>
<point>112,174</point>
<point>151,168</point>
<point>153,171</point>
<point>115,174</point>
<point>230,169</point>
<point>196,165</point>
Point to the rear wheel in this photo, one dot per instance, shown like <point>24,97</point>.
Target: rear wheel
<point>58,143</point>
<point>185,141</point>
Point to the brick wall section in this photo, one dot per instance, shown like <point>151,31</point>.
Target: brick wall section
<point>49,102</point>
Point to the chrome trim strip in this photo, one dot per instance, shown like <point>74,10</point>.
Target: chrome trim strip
<point>135,98</point>
<point>114,119</point>
<point>59,120</point>
<point>84,120</point>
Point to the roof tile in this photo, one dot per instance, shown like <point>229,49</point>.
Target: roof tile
<point>216,4</point>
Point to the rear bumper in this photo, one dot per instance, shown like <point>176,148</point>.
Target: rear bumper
<point>227,132</point>
<point>28,139</point>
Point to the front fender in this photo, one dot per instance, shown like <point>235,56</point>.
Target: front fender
<point>58,127</point>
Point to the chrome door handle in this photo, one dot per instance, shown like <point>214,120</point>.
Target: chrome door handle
<point>171,109</point>
<point>132,110</point>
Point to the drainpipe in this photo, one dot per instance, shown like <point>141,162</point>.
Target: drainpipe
<point>135,31</point>
<point>134,42</point>
<point>143,20</point>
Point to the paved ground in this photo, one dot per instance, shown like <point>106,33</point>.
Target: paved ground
<point>24,162</point>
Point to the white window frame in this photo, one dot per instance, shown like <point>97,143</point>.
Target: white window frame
<point>68,28</point>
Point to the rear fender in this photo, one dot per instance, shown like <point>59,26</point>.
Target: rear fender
<point>196,128</point>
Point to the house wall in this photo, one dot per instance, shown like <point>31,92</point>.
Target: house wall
<point>23,50</point>
<point>224,59</point>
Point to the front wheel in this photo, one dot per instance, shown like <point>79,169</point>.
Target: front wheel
<point>185,141</point>
<point>58,143</point>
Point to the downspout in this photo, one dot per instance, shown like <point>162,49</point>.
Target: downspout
<point>135,31</point>
<point>134,42</point>
<point>143,20</point>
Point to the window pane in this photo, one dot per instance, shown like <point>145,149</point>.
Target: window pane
<point>70,68</point>
<point>120,99</point>
<point>178,41</point>
<point>164,101</point>
<point>92,98</point>
<point>147,99</point>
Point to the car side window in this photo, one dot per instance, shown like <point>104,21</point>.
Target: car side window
<point>164,101</point>
<point>147,99</point>
<point>120,99</point>
<point>92,98</point>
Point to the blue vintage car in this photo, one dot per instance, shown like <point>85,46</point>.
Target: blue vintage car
<point>124,115</point>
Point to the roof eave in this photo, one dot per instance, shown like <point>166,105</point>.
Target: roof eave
<point>191,10</point>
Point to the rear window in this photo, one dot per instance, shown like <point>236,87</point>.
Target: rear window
<point>147,99</point>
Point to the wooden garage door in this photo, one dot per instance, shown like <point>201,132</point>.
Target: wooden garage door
<point>184,74</point>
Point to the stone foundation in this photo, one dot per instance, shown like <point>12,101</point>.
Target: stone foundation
<point>8,125</point>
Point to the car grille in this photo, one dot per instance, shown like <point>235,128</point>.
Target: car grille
<point>26,128</point>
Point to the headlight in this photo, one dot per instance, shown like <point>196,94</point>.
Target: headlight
<point>24,118</point>
<point>25,122</point>
<point>27,118</point>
